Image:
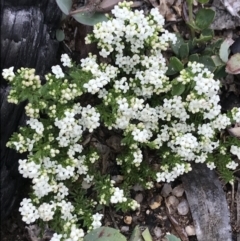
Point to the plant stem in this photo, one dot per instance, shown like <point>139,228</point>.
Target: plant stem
<point>190,15</point>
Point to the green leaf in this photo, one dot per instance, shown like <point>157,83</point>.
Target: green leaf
<point>178,89</point>
<point>175,65</point>
<point>204,18</point>
<point>194,26</point>
<point>104,234</point>
<point>88,19</point>
<point>184,51</point>
<point>60,36</point>
<point>206,35</point>
<point>208,62</point>
<point>193,58</point>
<point>175,47</point>
<point>136,235</point>
<point>171,237</point>
<point>217,61</point>
<point>220,72</point>
<point>65,5</point>
<point>146,235</point>
<point>203,1</point>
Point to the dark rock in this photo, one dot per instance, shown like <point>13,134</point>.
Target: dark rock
<point>27,40</point>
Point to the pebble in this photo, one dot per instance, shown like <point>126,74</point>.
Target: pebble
<point>139,197</point>
<point>127,220</point>
<point>183,207</point>
<point>166,190</point>
<point>158,232</point>
<point>173,201</point>
<point>190,230</point>
<point>124,228</point>
<point>178,191</point>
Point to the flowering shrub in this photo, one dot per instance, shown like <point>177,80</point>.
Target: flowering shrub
<point>179,119</point>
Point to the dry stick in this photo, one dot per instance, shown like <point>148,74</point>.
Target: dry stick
<point>232,201</point>
<point>113,219</point>
<point>181,231</point>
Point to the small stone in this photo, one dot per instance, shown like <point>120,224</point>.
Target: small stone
<point>155,205</point>
<point>139,197</point>
<point>183,207</point>
<point>86,185</point>
<point>158,232</point>
<point>127,220</point>
<point>190,230</point>
<point>166,190</point>
<point>173,201</point>
<point>117,178</point>
<point>178,191</point>
<point>124,229</point>
<point>137,187</point>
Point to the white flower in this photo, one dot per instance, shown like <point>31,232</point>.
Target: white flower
<point>8,74</point>
<point>66,60</point>
<point>232,165</point>
<point>97,220</point>
<point>46,211</point>
<point>211,165</point>
<point>118,196</point>
<point>235,150</point>
<point>56,237</point>
<point>28,211</point>
<point>57,70</point>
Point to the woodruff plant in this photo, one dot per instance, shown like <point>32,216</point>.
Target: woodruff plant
<point>179,119</point>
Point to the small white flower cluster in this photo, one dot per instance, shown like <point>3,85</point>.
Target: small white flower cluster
<point>97,220</point>
<point>36,125</point>
<point>118,196</point>
<point>235,150</point>
<point>66,60</point>
<point>232,165</point>
<point>8,74</point>
<point>57,70</point>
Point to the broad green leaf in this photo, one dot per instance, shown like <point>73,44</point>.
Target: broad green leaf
<point>136,235</point>
<point>204,18</point>
<point>176,63</point>
<point>88,19</point>
<point>194,26</point>
<point>203,1</point>
<point>175,66</point>
<point>65,5</point>
<point>184,51</point>
<point>178,89</point>
<point>171,237</point>
<point>146,235</point>
<point>233,64</point>
<point>220,72</point>
<point>60,36</point>
<point>193,58</point>
<point>206,35</point>
<point>217,61</point>
<point>175,47</point>
<point>104,234</point>
<point>224,49</point>
<point>208,62</point>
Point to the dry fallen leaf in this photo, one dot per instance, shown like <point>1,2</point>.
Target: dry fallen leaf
<point>233,7</point>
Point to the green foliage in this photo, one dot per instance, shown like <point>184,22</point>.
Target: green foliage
<point>60,36</point>
<point>204,18</point>
<point>104,234</point>
<point>171,237</point>
<point>87,19</point>
<point>65,5</point>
